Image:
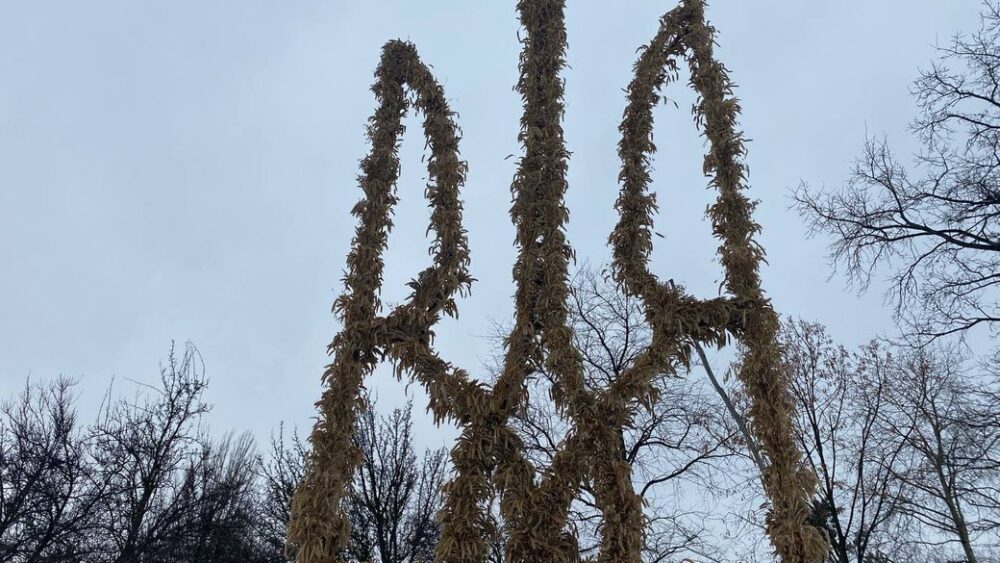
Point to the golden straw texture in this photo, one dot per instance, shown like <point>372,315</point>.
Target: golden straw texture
<point>488,457</point>
<point>747,314</point>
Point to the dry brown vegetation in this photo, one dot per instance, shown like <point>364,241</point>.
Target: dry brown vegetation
<point>489,457</point>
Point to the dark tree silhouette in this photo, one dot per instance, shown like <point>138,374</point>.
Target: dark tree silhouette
<point>935,225</point>
<point>47,491</point>
<point>906,443</point>
<point>946,418</point>
<point>219,517</point>
<point>144,450</point>
<point>280,473</point>
<point>394,497</point>
<point>145,483</point>
<point>841,397</point>
<point>142,484</point>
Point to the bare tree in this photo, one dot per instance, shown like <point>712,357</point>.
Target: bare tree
<point>141,449</point>
<point>947,422</point>
<point>906,444</point>
<point>47,493</point>
<point>841,397</point>
<point>280,474</point>
<point>937,221</point>
<point>219,517</point>
<point>394,499</point>
<point>146,484</point>
<point>141,484</point>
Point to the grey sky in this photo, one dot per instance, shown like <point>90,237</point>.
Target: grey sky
<point>184,170</point>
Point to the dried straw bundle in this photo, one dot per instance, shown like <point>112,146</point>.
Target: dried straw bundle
<point>488,456</point>
<point>747,315</point>
<point>318,528</point>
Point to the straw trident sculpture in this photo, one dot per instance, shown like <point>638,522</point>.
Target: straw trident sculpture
<point>488,457</point>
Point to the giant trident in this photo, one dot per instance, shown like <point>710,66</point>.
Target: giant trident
<point>488,457</point>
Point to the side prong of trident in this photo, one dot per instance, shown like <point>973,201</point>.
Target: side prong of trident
<point>489,457</point>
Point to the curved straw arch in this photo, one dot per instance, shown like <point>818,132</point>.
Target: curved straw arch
<point>488,456</point>
<point>318,528</point>
<point>747,315</point>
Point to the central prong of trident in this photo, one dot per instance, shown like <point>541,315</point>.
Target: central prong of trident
<point>488,457</point>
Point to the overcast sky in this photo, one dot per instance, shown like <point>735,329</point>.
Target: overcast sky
<point>184,170</point>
